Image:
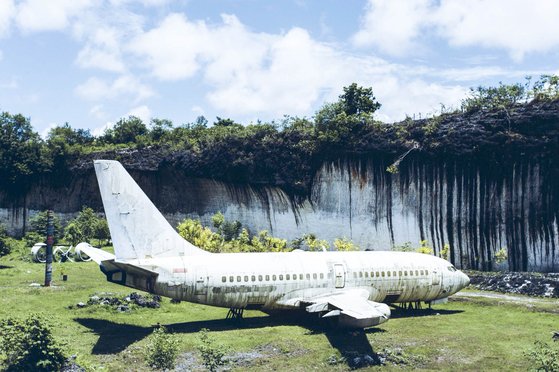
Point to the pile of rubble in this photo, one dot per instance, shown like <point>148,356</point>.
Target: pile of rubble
<point>121,304</point>
<point>530,284</point>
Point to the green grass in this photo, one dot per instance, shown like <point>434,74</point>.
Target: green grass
<point>464,334</point>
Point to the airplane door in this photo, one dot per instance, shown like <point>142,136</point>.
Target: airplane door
<point>436,277</point>
<point>339,276</point>
<point>201,286</point>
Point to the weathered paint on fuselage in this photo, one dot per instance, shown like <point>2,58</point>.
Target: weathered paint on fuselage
<point>284,280</point>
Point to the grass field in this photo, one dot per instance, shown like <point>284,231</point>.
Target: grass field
<point>464,334</point>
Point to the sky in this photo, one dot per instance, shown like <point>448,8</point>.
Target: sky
<point>92,62</point>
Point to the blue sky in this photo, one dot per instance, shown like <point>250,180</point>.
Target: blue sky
<point>91,62</point>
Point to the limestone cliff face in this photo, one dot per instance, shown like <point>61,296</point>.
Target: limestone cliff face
<point>479,182</point>
<point>476,209</point>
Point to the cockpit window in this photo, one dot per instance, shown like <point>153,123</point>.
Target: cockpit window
<point>451,268</point>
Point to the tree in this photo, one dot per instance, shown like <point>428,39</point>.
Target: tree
<point>86,226</point>
<point>358,100</point>
<point>125,131</point>
<point>160,128</point>
<point>490,98</point>
<point>20,152</point>
<point>70,136</point>
<point>38,224</point>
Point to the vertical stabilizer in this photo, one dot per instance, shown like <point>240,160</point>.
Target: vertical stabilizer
<point>138,229</point>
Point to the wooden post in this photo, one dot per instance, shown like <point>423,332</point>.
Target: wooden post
<point>50,243</point>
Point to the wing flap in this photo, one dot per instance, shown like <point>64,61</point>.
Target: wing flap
<point>353,309</point>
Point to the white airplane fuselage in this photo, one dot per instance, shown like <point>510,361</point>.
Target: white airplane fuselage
<point>271,280</point>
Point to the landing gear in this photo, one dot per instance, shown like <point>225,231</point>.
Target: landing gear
<point>235,314</point>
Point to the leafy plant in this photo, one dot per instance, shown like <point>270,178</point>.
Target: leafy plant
<point>424,247</point>
<point>544,357</point>
<point>162,349</point>
<point>501,255</point>
<point>28,345</point>
<point>445,251</point>
<point>345,244</point>
<point>211,352</point>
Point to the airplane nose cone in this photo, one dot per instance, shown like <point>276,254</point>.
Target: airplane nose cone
<point>465,280</point>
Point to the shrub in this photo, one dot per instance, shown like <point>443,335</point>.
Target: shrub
<point>162,350</point>
<point>4,247</point>
<point>212,353</point>
<point>544,357</point>
<point>28,345</point>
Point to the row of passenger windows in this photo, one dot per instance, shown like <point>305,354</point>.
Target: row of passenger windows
<point>382,274</point>
<point>274,277</point>
<point>361,274</point>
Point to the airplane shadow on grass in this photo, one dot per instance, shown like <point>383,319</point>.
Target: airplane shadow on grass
<point>354,346</point>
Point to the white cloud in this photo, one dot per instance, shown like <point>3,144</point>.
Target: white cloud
<point>172,49</point>
<point>7,12</point>
<point>95,89</point>
<point>102,51</point>
<point>517,26</point>
<point>143,112</point>
<point>40,15</point>
<point>392,25</point>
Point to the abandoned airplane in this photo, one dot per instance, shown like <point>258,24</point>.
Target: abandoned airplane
<point>352,288</point>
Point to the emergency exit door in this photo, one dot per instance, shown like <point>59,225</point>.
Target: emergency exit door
<point>339,275</point>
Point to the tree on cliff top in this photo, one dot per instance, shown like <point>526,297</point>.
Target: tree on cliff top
<point>340,122</point>
<point>20,151</point>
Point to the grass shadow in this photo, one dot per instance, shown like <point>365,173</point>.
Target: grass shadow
<point>5,267</point>
<point>113,337</point>
<point>352,345</point>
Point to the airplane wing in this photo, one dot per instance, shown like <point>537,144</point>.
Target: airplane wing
<point>352,308</point>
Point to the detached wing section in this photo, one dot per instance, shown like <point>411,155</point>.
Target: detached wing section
<point>352,307</point>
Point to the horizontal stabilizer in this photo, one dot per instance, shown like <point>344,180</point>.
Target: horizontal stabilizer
<point>96,254</point>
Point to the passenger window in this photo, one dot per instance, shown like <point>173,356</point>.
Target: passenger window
<point>361,274</point>
<point>308,276</point>
<point>223,279</point>
<point>321,275</point>
<point>287,277</point>
<point>377,274</point>
<point>383,274</point>
<point>426,272</point>
<point>399,273</point>
<point>253,278</point>
<point>416,273</point>
<point>259,278</point>
<point>421,272</point>
<point>238,278</point>
<point>300,276</point>
<point>394,273</point>
<point>314,276</point>
<point>274,278</point>
<point>246,278</point>
<point>366,274</point>
<point>267,278</point>
<point>406,273</point>
<point>231,278</point>
<point>281,277</point>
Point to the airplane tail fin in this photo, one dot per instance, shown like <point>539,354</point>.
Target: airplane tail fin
<point>138,229</point>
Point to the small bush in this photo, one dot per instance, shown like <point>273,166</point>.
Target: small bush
<point>544,357</point>
<point>162,350</point>
<point>212,353</point>
<point>28,345</point>
<point>4,247</point>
